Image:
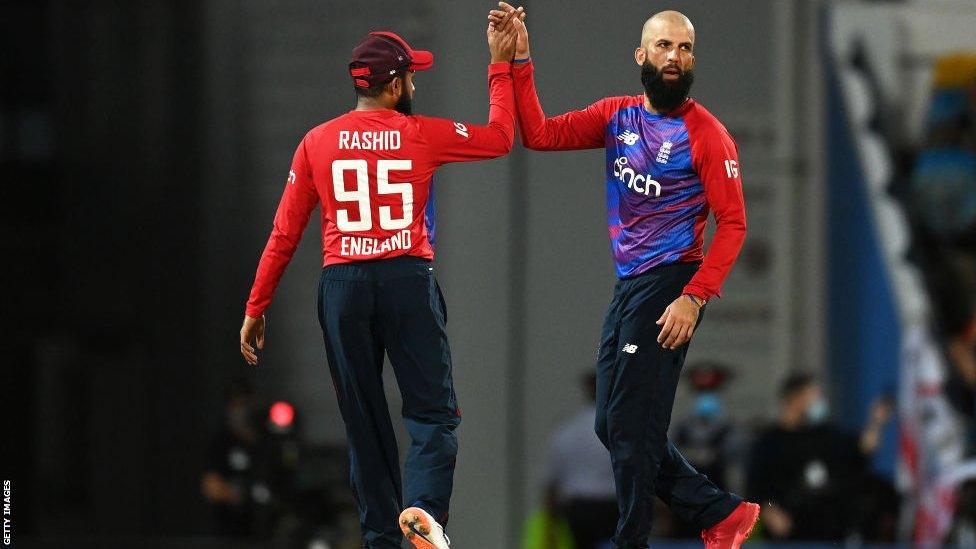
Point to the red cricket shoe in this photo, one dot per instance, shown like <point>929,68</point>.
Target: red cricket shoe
<point>734,529</point>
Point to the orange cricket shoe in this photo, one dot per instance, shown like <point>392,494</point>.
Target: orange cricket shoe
<point>734,529</point>
<point>422,530</point>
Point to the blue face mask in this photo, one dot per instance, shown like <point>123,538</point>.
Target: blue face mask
<point>708,406</point>
<point>817,412</point>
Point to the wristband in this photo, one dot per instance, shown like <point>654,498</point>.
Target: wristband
<point>526,60</point>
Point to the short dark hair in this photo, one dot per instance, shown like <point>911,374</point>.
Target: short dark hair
<point>795,384</point>
<point>377,90</point>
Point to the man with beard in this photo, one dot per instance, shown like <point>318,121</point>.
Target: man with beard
<point>371,171</point>
<point>668,162</point>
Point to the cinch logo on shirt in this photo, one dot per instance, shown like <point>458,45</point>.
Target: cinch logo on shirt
<point>627,175</point>
<point>628,137</point>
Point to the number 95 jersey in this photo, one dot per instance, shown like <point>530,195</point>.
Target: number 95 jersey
<point>371,172</point>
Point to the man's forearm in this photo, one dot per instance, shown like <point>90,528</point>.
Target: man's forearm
<point>501,103</point>
<point>718,261</point>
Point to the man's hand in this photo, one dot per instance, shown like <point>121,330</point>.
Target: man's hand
<point>678,322</point>
<point>501,39</point>
<point>522,41</point>
<point>252,331</point>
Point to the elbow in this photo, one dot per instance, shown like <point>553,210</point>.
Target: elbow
<point>509,143</point>
<point>281,244</point>
<point>533,144</point>
<point>731,228</point>
<point>529,141</point>
<point>734,222</point>
<point>741,226</point>
<point>506,139</point>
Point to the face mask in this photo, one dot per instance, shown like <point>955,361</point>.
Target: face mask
<point>708,406</point>
<point>817,412</point>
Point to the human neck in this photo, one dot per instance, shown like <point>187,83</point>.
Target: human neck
<point>371,104</point>
<point>650,108</point>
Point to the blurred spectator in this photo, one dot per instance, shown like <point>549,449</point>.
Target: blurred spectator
<point>942,203</point>
<point>951,279</point>
<point>943,183</point>
<point>706,437</point>
<point>581,486</point>
<point>811,478</point>
<point>227,483</point>
<point>708,440</point>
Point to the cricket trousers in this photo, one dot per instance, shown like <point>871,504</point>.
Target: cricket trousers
<point>636,384</point>
<point>393,306</point>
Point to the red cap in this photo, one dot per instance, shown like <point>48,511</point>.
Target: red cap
<point>384,55</point>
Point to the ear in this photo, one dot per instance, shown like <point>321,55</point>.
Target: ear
<point>640,55</point>
<point>396,87</point>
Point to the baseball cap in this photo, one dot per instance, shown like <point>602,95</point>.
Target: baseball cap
<point>383,55</point>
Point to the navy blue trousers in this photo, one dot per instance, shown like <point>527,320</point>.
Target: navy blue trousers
<point>393,306</point>
<point>636,383</point>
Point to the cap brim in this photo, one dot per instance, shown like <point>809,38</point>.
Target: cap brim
<point>421,60</point>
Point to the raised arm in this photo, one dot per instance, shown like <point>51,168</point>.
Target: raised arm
<point>451,141</point>
<point>582,129</point>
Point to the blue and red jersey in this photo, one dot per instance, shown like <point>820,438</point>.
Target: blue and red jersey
<point>664,173</point>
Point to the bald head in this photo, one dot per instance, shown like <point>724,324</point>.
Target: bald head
<point>663,21</point>
<point>666,56</point>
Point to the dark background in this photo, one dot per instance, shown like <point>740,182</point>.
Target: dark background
<point>143,146</point>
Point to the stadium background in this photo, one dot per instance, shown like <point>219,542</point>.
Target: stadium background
<point>144,149</point>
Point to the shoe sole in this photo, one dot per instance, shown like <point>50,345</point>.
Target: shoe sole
<point>416,527</point>
<point>741,535</point>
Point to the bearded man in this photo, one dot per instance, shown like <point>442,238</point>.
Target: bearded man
<point>668,163</point>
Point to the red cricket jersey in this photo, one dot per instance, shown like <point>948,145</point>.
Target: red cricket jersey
<point>371,172</point>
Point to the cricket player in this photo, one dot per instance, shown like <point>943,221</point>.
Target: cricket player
<point>370,170</point>
<point>668,163</point>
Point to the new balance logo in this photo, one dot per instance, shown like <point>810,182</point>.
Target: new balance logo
<point>461,129</point>
<point>291,177</point>
<point>629,348</point>
<point>628,137</point>
<point>664,152</point>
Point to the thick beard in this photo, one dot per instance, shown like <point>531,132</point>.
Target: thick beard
<point>665,96</point>
<point>404,104</point>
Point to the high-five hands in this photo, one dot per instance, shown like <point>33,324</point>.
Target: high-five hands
<point>506,10</point>
<point>501,38</point>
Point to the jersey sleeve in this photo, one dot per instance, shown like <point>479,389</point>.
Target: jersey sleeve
<point>297,202</point>
<point>582,129</point>
<point>716,159</point>
<point>451,141</point>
